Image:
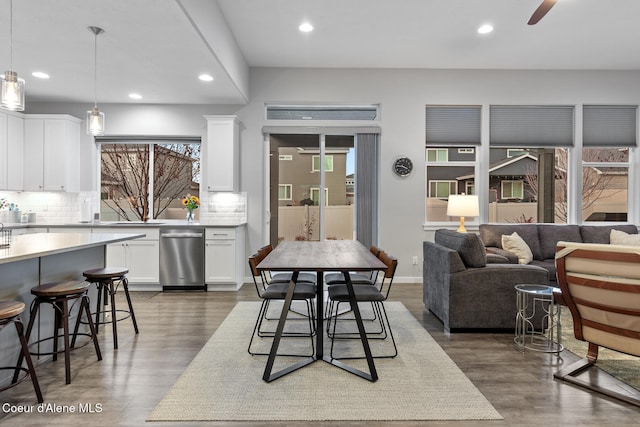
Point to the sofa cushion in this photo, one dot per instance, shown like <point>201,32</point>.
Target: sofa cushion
<point>551,234</point>
<point>468,245</point>
<point>621,238</point>
<point>491,235</point>
<point>602,233</point>
<point>514,243</point>
<point>549,265</point>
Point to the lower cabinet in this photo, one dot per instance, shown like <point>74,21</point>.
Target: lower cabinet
<point>140,256</point>
<point>224,252</point>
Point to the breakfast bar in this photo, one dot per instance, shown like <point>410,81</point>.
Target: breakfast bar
<point>34,259</point>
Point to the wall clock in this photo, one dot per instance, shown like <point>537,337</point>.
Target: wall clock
<point>402,166</point>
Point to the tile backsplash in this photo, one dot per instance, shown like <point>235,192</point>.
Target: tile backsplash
<point>49,207</point>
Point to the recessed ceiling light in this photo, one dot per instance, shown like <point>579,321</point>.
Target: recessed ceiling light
<point>485,29</point>
<point>205,77</point>
<point>135,96</point>
<point>40,75</point>
<point>305,27</point>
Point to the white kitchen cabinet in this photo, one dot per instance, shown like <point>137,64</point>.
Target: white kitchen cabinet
<point>222,154</point>
<point>141,256</point>
<point>224,256</point>
<point>52,153</point>
<point>11,151</point>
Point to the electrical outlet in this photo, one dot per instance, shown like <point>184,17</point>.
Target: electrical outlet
<point>415,260</point>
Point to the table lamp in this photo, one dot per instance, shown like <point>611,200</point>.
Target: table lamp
<point>462,205</point>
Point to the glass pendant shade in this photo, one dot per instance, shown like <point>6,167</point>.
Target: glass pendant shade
<point>12,91</point>
<point>95,122</point>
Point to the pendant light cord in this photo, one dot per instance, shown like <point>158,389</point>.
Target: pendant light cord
<point>95,69</point>
<point>11,35</point>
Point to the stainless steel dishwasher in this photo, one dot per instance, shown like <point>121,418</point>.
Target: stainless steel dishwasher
<point>182,258</point>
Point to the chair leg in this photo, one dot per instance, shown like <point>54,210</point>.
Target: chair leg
<point>94,333</point>
<point>27,357</point>
<point>65,338</point>
<point>114,321</point>
<point>35,306</point>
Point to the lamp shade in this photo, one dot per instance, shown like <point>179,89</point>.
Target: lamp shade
<point>463,205</point>
<point>12,91</point>
<point>95,122</point>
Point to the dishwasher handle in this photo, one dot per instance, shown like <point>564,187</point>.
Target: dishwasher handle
<point>182,235</point>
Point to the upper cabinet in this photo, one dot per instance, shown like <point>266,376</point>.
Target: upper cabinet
<point>52,153</point>
<point>11,151</point>
<point>222,150</point>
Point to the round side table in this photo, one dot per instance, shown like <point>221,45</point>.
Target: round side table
<point>537,319</point>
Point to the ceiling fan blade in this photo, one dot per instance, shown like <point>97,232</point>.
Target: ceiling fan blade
<point>541,11</point>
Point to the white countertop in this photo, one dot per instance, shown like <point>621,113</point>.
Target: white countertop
<point>124,224</point>
<point>37,245</point>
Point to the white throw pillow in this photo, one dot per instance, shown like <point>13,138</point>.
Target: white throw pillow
<point>618,237</point>
<point>514,243</point>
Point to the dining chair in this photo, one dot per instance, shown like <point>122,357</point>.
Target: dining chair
<point>276,291</point>
<point>357,278</point>
<point>338,294</point>
<point>281,276</point>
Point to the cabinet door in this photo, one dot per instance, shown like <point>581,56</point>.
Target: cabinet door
<point>32,171</point>
<point>220,261</point>
<point>55,153</point>
<point>15,152</point>
<point>222,148</point>
<point>143,261</point>
<point>117,255</point>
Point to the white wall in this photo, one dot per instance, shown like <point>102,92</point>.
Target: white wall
<point>402,95</point>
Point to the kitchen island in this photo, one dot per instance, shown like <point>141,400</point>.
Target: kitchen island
<point>223,249</point>
<point>35,259</point>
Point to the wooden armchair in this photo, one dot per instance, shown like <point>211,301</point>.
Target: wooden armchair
<point>601,286</point>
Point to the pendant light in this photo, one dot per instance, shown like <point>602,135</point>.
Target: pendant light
<point>12,96</point>
<point>95,118</point>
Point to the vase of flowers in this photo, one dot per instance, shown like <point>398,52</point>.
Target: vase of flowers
<point>191,203</point>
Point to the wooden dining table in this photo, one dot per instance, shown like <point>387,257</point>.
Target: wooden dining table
<point>343,256</point>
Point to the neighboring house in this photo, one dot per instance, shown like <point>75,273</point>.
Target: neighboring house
<point>299,179</point>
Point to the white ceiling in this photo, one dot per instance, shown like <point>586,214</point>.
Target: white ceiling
<point>158,47</point>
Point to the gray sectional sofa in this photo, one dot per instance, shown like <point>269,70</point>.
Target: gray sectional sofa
<point>469,279</point>
<point>543,238</point>
<point>466,288</point>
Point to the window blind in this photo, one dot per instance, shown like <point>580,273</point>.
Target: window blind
<point>453,125</point>
<point>609,126</point>
<point>531,126</point>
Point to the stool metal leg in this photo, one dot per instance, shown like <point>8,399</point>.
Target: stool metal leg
<point>35,306</point>
<point>112,294</point>
<point>125,285</point>
<point>94,332</point>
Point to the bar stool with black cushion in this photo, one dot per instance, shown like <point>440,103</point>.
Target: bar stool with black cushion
<point>9,313</point>
<point>59,295</point>
<point>107,280</point>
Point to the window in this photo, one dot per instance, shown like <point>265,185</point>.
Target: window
<point>284,191</point>
<point>452,132</point>
<point>143,180</point>
<point>605,183</point>
<point>512,189</point>
<point>516,152</point>
<point>315,196</point>
<point>328,163</point>
<point>470,188</point>
<point>442,189</point>
<point>437,154</point>
<point>285,157</point>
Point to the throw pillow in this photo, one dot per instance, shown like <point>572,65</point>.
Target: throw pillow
<point>514,243</point>
<point>621,238</point>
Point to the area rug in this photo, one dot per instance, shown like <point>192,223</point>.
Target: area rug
<point>223,382</point>
<point>623,367</point>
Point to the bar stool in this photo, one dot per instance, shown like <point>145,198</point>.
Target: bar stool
<point>108,279</point>
<point>59,295</point>
<point>9,312</point>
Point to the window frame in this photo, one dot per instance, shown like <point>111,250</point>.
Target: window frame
<point>511,181</point>
<point>328,167</point>
<point>288,189</point>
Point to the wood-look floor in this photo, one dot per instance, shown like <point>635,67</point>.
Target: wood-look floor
<point>129,382</point>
